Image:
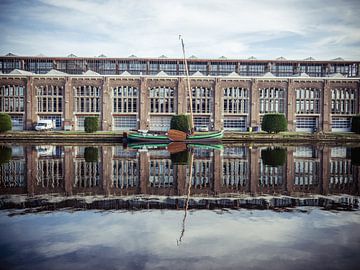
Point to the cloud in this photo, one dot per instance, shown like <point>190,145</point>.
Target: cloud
<point>211,28</point>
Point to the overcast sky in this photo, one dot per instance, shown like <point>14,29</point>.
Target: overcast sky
<point>266,29</point>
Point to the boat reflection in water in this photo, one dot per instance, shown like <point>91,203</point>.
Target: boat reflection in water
<point>231,176</point>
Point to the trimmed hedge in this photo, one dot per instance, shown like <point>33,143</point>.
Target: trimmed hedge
<point>180,122</point>
<point>181,158</point>
<point>274,123</point>
<point>273,157</point>
<point>5,122</point>
<point>355,156</point>
<point>5,154</point>
<point>355,124</point>
<point>91,124</point>
<point>91,154</point>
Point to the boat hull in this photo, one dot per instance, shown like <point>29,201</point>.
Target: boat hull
<point>214,136</point>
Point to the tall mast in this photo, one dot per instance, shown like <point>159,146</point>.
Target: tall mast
<point>188,85</point>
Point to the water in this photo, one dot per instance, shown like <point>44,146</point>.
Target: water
<point>247,207</point>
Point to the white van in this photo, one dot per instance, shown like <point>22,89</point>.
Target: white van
<point>43,125</point>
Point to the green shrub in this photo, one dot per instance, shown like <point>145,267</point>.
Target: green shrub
<point>355,124</point>
<point>5,122</point>
<point>180,122</point>
<point>355,156</point>
<point>273,157</point>
<point>91,154</point>
<point>91,124</point>
<point>5,154</point>
<point>181,158</point>
<point>274,123</point>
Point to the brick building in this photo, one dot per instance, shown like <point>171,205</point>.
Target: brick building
<point>130,93</point>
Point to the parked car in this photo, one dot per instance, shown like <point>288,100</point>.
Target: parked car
<point>43,125</point>
<point>202,128</point>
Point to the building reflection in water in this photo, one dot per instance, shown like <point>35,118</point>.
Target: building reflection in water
<point>112,170</point>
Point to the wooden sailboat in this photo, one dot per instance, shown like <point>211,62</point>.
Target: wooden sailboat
<point>176,135</point>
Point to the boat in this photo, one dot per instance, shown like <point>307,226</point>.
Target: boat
<point>173,135</point>
<point>196,137</point>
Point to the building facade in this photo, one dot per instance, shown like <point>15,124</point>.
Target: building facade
<point>137,93</point>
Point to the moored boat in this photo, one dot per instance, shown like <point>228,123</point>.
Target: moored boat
<point>141,136</point>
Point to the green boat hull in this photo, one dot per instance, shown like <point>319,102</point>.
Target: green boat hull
<point>161,138</point>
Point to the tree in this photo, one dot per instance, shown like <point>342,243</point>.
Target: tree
<point>91,124</point>
<point>274,123</point>
<point>91,154</point>
<point>355,124</point>
<point>273,157</point>
<point>5,122</point>
<point>180,122</point>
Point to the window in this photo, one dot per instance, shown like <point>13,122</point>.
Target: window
<point>125,173</point>
<point>49,98</point>
<point>271,176</point>
<point>202,100</point>
<point>235,123</point>
<point>125,122</point>
<point>160,123</point>
<point>272,100</point>
<point>200,121</point>
<point>306,123</point>
<point>343,123</point>
<point>87,174</point>
<point>54,118</point>
<point>87,99</point>
<point>161,173</point>
<point>306,172</point>
<point>307,101</point>
<point>236,100</point>
<point>12,98</point>
<point>13,173</point>
<point>343,101</point>
<point>50,173</point>
<point>125,99</point>
<point>235,173</point>
<point>17,122</point>
<point>162,100</point>
<point>202,173</point>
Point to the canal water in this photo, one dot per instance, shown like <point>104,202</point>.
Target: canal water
<point>235,206</point>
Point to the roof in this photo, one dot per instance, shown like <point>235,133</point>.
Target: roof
<point>10,54</point>
<point>125,73</point>
<point>56,72</point>
<point>102,56</point>
<point>252,58</point>
<point>302,74</point>
<point>281,58</point>
<point>132,56</point>
<point>21,72</point>
<point>197,74</point>
<point>233,74</point>
<point>310,58</point>
<point>222,57</point>
<point>162,74</point>
<point>71,55</point>
<point>91,73</point>
<point>193,57</point>
<point>336,75</point>
<point>338,59</point>
<point>268,74</point>
<point>163,56</point>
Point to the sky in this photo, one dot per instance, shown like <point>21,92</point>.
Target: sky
<point>238,29</point>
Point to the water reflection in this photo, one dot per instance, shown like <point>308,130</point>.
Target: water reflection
<point>217,172</point>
